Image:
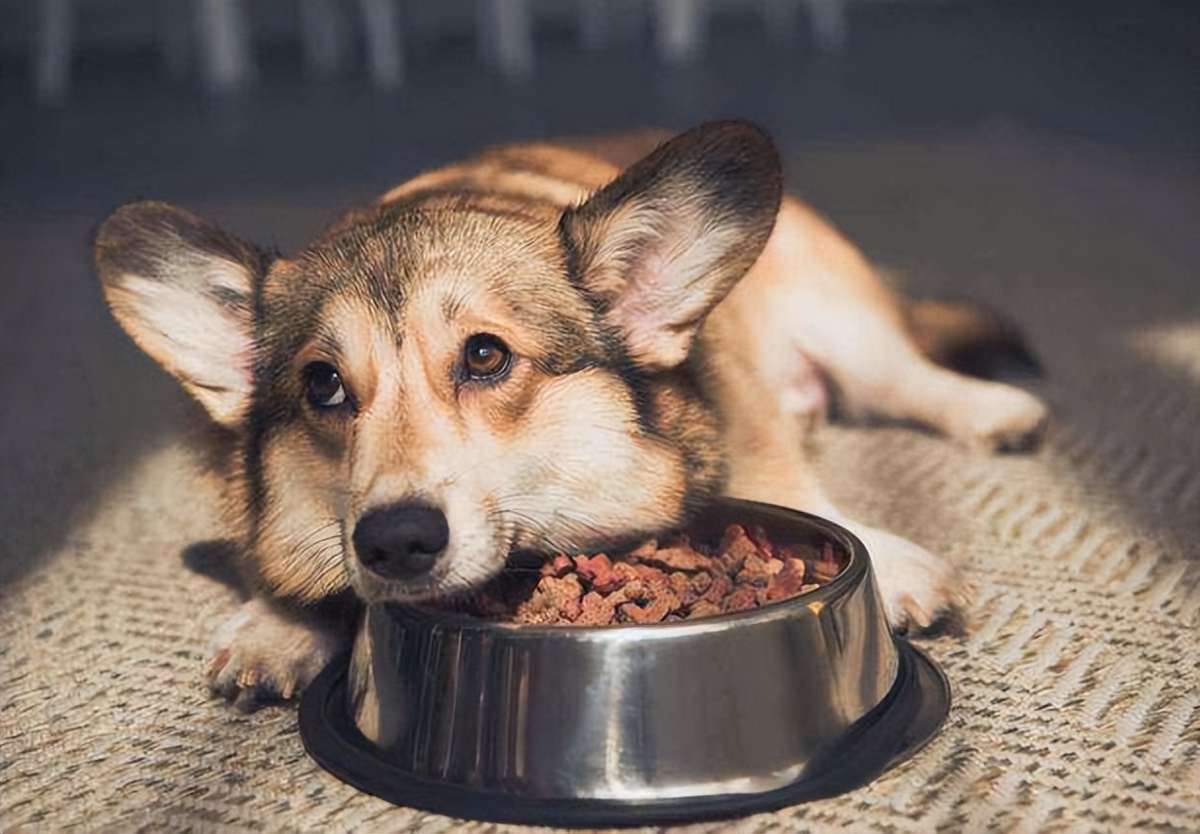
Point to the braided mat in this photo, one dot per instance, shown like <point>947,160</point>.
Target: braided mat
<point>1077,682</point>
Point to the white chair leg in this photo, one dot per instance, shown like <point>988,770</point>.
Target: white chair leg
<point>225,40</point>
<point>594,17</point>
<point>385,48</point>
<point>506,36</point>
<point>780,19</point>
<point>174,36</point>
<point>322,37</point>
<point>52,49</point>
<point>627,19</point>
<point>829,24</point>
<point>679,29</point>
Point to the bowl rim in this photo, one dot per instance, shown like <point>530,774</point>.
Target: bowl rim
<point>849,578</point>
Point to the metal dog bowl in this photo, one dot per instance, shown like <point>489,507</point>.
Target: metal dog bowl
<point>632,724</point>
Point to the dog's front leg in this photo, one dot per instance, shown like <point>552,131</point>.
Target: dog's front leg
<point>918,588</point>
<point>768,463</point>
<point>270,650</point>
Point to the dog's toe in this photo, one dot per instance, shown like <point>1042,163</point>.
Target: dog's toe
<point>1004,419</point>
<point>919,590</point>
<point>264,654</point>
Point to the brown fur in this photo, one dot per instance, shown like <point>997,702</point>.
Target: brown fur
<point>970,338</point>
<point>673,327</point>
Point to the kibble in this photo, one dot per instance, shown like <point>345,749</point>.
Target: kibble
<point>657,581</point>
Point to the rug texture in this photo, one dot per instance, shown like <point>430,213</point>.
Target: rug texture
<point>1076,684</point>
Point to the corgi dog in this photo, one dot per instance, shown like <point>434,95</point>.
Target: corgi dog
<point>550,347</point>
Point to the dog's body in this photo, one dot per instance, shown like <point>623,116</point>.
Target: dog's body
<point>549,347</point>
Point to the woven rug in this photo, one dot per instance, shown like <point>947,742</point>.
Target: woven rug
<point>1077,683</point>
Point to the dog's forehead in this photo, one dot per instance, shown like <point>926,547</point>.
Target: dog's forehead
<point>458,262</point>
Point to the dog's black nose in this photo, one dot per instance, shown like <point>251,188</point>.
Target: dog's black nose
<point>401,541</point>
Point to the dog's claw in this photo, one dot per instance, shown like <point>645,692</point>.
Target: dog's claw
<point>217,663</point>
<point>247,700</point>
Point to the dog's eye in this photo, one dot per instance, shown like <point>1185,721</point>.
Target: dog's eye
<point>485,356</point>
<point>323,385</point>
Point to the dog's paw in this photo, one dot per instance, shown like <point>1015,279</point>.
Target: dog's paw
<point>918,589</point>
<point>265,653</point>
<point>1001,418</point>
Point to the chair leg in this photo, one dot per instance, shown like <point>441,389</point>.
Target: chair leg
<point>627,20</point>
<point>505,29</point>
<point>52,49</point>
<point>225,41</point>
<point>780,19</point>
<point>385,47</point>
<point>174,36</point>
<point>679,29</point>
<point>829,24</point>
<point>593,18</point>
<point>321,35</point>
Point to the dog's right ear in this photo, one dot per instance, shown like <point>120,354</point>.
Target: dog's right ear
<point>183,290</point>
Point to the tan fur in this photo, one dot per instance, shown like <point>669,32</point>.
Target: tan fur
<point>733,318</point>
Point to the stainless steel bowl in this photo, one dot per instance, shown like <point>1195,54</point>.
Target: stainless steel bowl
<point>611,725</point>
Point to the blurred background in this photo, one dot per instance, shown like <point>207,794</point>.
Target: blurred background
<point>174,97</point>
<point>271,116</point>
<point>1042,157</point>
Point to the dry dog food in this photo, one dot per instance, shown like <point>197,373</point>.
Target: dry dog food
<point>656,582</point>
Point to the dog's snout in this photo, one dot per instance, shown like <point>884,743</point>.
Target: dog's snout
<point>401,541</point>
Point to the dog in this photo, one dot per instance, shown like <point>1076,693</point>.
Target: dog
<point>549,347</point>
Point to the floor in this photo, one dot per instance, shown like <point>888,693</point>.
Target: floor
<point>1043,156</point>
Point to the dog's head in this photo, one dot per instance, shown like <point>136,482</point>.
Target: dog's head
<point>434,383</point>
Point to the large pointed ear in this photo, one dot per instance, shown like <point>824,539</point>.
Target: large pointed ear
<point>662,244</point>
<point>183,290</point>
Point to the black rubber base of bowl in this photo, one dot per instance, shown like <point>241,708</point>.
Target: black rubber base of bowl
<point>898,727</point>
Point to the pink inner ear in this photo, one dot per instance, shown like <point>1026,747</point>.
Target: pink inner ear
<point>655,320</point>
<point>665,250</point>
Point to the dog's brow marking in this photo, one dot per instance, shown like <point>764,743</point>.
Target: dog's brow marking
<point>452,306</point>
<point>329,345</point>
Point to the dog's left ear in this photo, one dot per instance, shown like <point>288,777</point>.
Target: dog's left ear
<point>662,244</point>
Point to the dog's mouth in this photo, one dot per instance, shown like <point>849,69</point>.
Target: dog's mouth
<point>437,585</point>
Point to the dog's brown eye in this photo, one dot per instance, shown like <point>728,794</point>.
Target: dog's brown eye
<point>323,385</point>
<point>485,356</point>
